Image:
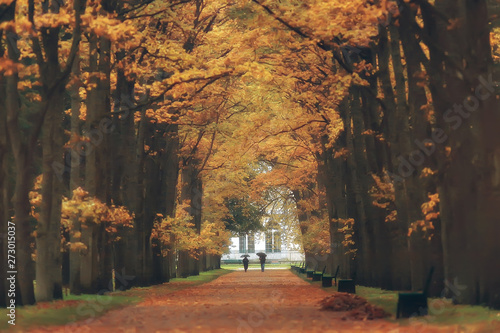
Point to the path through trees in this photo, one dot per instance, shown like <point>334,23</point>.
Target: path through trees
<point>273,301</point>
<point>130,129</point>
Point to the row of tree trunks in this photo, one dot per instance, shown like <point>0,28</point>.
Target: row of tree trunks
<point>125,176</point>
<point>465,96</point>
<point>402,262</point>
<point>462,81</point>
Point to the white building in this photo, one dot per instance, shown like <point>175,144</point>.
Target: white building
<point>270,242</point>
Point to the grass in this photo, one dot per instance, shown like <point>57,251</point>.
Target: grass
<point>441,311</point>
<point>238,266</point>
<point>81,307</point>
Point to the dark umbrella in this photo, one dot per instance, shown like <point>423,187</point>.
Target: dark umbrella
<point>261,254</point>
<point>244,255</point>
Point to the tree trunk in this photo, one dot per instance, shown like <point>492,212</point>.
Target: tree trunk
<point>96,262</point>
<point>366,256</point>
<point>75,182</point>
<point>432,251</point>
<point>48,240</point>
<point>4,188</point>
<point>396,131</point>
<point>191,193</point>
<point>24,178</point>
<point>171,167</point>
<point>4,193</point>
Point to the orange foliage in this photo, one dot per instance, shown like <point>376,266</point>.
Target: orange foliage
<point>179,233</point>
<point>316,240</point>
<point>87,210</point>
<point>430,209</point>
<point>348,230</point>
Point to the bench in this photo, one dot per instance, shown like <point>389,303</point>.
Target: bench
<point>347,285</point>
<point>414,304</point>
<point>231,261</point>
<point>310,272</point>
<point>318,275</point>
<point>296,266</point>
<point>326,280</point>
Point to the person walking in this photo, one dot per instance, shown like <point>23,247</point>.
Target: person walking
<point>262,262</point>
<point>245,263</point>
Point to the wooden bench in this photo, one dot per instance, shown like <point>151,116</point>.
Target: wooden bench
<point>302,269</point>
<point>414,304</point>
<point>297,266</point>
<point>231,261</point>
<point>347,285</point>
<point>326,280</point>
<point>318,275</point>
<point>310,272</point>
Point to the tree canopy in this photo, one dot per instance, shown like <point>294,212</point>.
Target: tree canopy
<point>139,135</point>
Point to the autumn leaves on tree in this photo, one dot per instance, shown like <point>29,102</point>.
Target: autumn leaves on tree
<point>138,136</point>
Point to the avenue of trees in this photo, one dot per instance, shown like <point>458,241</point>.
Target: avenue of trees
<point>137,135</point>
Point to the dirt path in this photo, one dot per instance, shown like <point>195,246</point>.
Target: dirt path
<point>273,301</point>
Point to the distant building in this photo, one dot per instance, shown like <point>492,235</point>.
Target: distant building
<point>270,242</point>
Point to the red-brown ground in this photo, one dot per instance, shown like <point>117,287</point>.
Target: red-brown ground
<point>272,301</point>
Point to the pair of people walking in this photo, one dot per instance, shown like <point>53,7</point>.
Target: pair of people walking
<point>262,259</point>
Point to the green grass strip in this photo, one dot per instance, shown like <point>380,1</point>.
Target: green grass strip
<point>441,311</point>
<point>238,266</point>
<point>76,308</point>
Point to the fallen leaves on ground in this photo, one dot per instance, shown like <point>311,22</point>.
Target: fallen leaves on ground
<point>356,307</point>
<point>274,301</point>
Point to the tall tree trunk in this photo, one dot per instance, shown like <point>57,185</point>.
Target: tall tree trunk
<point>48,234</point>
<point>140,226</point>
<point>24,178</point>
<point>54,79</point>
<point>366,216</point>
<point>303,214</point>
<point>432,251</point>
<point>396,132</point>
<point>191,193</point>
<point>377,162</point>
<point>171,167</point>
<point>75,181</point>
<point>96,263</point>
<point>104,163</point>
<point>332,172</point>
<point>124,187</point>
<point>4,187</point>
<point>4,205</point>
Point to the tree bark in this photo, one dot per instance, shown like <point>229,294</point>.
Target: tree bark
<point>468,191</point>
<point>191,192</point>
<point>395,131</point>
<point>22,152</point>
<point>4,187</point>
<point>75,181</point>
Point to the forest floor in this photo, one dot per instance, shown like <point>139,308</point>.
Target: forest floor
<point>253,301</point>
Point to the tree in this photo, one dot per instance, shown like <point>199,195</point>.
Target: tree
<point>244,217</point>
